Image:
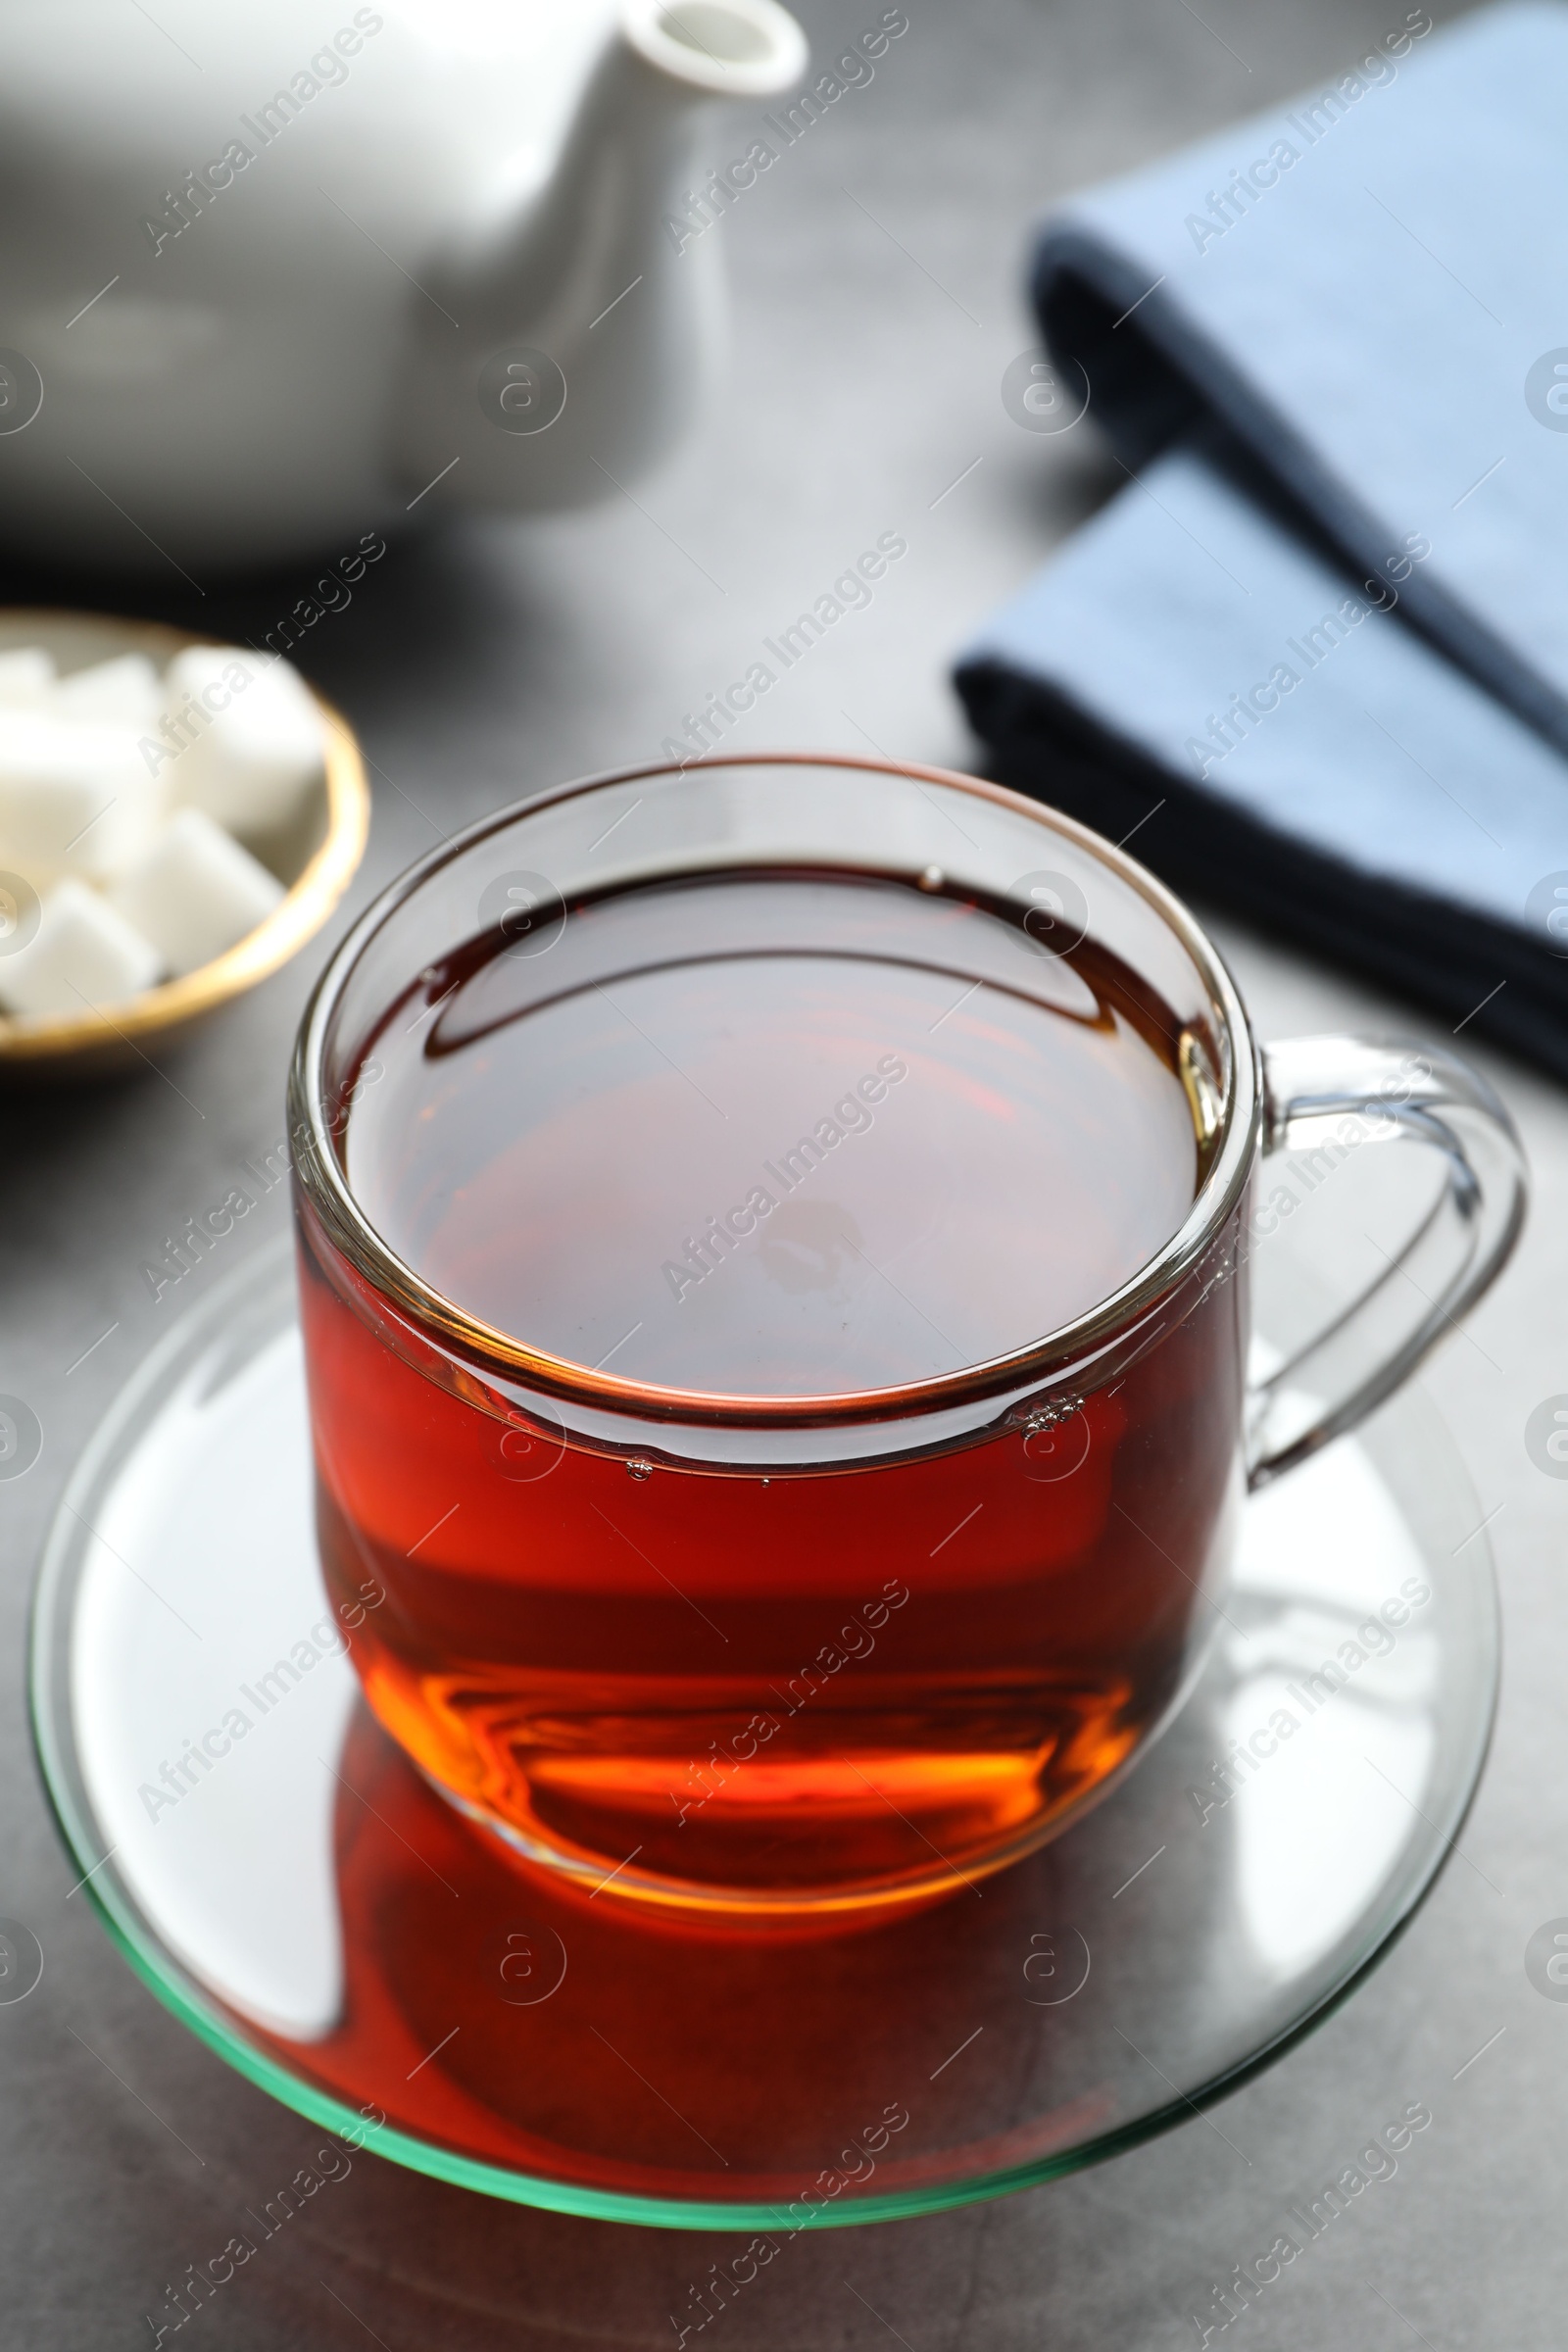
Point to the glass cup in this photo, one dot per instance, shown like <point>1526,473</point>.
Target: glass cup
<point>802,1644</point>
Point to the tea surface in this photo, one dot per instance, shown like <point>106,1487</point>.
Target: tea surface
<point>774,1133</point>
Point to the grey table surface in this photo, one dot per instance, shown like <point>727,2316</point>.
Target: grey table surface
<point>876,281</point>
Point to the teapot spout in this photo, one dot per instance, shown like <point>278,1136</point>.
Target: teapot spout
<point>566,349</point>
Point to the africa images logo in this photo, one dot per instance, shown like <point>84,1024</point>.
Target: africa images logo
<point>851,1115</point>
<point>1546,390</point>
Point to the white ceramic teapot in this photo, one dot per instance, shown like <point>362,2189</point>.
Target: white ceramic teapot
<point>278,274</point>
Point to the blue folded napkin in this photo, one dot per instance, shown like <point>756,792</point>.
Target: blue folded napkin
<point>1325,629</point>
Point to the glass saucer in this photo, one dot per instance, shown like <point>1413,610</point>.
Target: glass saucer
<point>286,1883</point>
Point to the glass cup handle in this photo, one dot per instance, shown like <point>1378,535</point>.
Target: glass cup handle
<point>1323,1098</point>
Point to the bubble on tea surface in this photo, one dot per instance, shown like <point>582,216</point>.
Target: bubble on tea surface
<point>1056,911</point>
<point>527,908</point>
<point>1055,1444</point>
<point>521,390</point>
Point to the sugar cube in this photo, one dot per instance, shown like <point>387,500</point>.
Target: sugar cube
<point>116,777</point>
<point>76,799</point>
<point>27,677</point>
<point>125,692</point>
<point>196,893</point>
<point>252,744</point>
<point>82,954</point>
